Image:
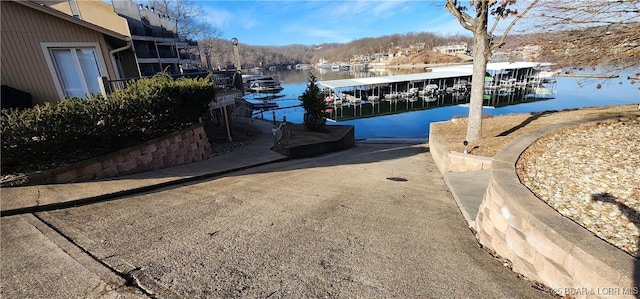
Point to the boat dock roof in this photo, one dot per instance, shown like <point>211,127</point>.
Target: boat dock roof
<point>372,81</point>
<point>435,73</point>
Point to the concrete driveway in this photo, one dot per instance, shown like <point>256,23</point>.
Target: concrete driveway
<point>375,221</point>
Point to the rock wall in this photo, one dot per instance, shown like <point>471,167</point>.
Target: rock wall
<point>460,162</point>
<point>447,161</point>
<point>543,245</point>
<point>538,242</point>
<point>181,147</point>
<point>438,151</point>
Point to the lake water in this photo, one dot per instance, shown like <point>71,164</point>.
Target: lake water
<point>414,123</point>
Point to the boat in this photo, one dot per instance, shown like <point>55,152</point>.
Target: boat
<point>351,99</point>
<point>328,99</point>
<point>247,80</point>
<point>430,89</point>
<point>428,98</point>
<point>410,93</point>
<point>544,76</point>
<point>373,99</point>
<point>461,85</point>
<point>392,95</point>
<point>265,86</point>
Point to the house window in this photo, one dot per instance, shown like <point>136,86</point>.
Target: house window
<point>76,69</point>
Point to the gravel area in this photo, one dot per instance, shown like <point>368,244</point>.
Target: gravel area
<point>591,174</point>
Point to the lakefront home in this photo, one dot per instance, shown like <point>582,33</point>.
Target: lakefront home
<point>53,55</point>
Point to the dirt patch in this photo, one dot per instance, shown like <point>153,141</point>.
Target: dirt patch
<point>501,130</point>
<point>242,134</point>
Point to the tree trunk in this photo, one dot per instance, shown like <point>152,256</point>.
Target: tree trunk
<point>481,55</point>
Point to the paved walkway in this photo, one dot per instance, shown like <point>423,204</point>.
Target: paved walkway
<point>69,265</point>
<point>467,187</point>
<point>42,197</point>
<point>468,190</point>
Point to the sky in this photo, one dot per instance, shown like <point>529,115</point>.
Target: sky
<point>287,22</point>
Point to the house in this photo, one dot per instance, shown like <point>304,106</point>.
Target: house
<point>462,48</point>
<point>155,40</point>
<point>101,14</point>
<point>53,55</point>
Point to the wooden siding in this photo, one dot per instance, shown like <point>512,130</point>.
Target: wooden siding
<point>93,11</point>
<point>102,14</point>
<point>23,66</point>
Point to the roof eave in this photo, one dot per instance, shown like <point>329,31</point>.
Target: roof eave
<point>66,17</point>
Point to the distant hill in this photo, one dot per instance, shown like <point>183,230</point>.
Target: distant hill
<point>427,56</point>
<point>266,56</point>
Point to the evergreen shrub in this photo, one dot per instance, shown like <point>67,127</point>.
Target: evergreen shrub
<point>314,104</point>
<point>76,129</point>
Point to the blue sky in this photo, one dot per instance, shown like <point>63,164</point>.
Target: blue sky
<point>276,23</point>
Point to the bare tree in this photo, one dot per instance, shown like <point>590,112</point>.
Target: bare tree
<point>597,34</point>
<point>484,43</point>
<point>219,50</point>
<point>186,15</point>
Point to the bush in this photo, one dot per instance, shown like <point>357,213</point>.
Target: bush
<point>75,129</point>
<point>314,104</point>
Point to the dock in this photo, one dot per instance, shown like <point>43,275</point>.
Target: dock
<point>440,76</point>
<point>505,84</point>
<point>594,76</point>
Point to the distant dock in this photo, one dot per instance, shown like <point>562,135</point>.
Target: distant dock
<point>595,76</point>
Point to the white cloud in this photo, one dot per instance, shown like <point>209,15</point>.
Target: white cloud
<point>248,21</point>
<point>387,9</point>
<point>217,17</point>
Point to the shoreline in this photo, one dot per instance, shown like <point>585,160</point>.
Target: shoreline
<point>596,76</point>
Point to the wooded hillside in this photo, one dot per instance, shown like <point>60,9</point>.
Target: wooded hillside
<point>266,56</point>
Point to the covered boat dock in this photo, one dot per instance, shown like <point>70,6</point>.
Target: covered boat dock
<point>438,79</point>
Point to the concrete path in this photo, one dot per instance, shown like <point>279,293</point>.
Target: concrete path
<point>42,197</point>
<point>468,190</point>
<point>373,221</point>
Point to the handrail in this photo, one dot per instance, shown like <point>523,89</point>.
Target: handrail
<point>280,132</point>
<point>221,79</point>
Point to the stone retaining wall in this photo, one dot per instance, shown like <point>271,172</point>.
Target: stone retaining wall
<point>543,245</point>
<point>461,162</point>
<point>185,146</point>
<point>438,151</point>
<point>447,161</point>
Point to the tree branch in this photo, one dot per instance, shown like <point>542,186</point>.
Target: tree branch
<point>513,22</point>
<point>464,19</point>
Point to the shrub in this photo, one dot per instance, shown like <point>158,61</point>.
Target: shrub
<point>314,104</point>
<point>75,129</point>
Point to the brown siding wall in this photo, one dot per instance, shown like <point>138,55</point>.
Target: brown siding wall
<point>23,63</point>
<point>93,11</point>
<point>102,14</point>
